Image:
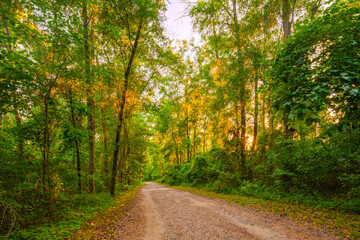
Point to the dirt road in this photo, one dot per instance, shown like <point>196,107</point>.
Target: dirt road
<point>159,213</point>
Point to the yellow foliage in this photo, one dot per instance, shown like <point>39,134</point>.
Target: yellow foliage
<point>215,71</point>
<point>58,186</point>
<point>126,42</point>
<point>131,97</point>
<point>148,98</point>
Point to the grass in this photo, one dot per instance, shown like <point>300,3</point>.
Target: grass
<point>81,218</point>
<point>346,225</point>
<point>102,223</point>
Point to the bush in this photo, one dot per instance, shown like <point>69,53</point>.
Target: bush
<point>323,171</point>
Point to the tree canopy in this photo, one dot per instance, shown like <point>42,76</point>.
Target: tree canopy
<point>95,98</point>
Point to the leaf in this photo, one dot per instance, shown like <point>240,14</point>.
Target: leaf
<point>292,115</point>
<point>345,88</point>
<point>313,98</point>
<point>354,92</point>
<point>345,76</point>
<point>316,87</point>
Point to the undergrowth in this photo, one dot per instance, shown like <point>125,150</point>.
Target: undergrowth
<point>103,223</point>
<point>78,212</point>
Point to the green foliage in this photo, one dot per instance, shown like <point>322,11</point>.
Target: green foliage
<point>318,172</point>
<point>105,222</point>
<point>59,66</point>
<point>319,65</point>
<point>201,173</point>
<point>76,209</point>
<point>50,77</point>
<point>316,165</point>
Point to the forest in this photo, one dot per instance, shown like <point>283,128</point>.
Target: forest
<point>96,99</point>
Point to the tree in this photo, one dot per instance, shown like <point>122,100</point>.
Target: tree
<point>90,99</point>
<point>316,73</point>
<point>145,18</point>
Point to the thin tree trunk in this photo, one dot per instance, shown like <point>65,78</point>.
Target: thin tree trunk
<point>122,160</point>
<point>286,23</point>
<point>121,113</point>
<point>286,26</point>
<point>194,139</point>
<point>263,128</point>
<point>238,139</point>
<point>78,165</point>
<point>187,126</point>
<point>242,100</point>
<point>204,138</point>
<point>243,132</point>
<point>77,150</point>
<point>263,114</point>
<point>234,11</point>
<point>91,129</point>
<point>46,178</point>
<point>181,156</point>
<point>256,112</point>
<point>105,134</point>
<point>89,102</point>
<point>187,137</point>
<point>271,120</point>
<point>176,148</point>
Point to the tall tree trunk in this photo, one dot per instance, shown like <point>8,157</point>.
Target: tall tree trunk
<point>285,16</point>
<point>194,139</point>
<point>263,113</point>
<point>243,131</point>
<point>238,138</point>
<point>105,134</point>
<point>204,137</point>
<point>77,150</point>
<point>263,126</point>
<point>187,137</point>
<point>187,124</point>
<point>271,123</point>
<point>242,98</point>
<point>234,11</point>
<point>125,152</point>
<point>90,101</point>
<point>176,148</point>
<point>181,156</point>
<point>256,112</point>
<point>286,26</point>
<point>45,150</point>
<point>121,112</point>
<point>237,118</point>
<point>91,130</point>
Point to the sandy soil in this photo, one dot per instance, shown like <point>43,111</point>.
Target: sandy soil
<point>159,213</point>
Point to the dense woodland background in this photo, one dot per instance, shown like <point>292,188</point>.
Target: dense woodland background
<point>95,99</point>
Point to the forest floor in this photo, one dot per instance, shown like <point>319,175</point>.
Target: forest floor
<point>159,212</point>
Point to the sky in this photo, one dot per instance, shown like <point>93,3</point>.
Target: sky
<point>178,24</point>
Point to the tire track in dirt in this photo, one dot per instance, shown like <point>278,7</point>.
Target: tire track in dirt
<point>153,226</point>
<point>173,214</point>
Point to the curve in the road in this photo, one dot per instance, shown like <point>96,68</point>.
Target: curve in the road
<point>175,214</point>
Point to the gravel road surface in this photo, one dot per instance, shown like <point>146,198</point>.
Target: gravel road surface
<point>159,213</point>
